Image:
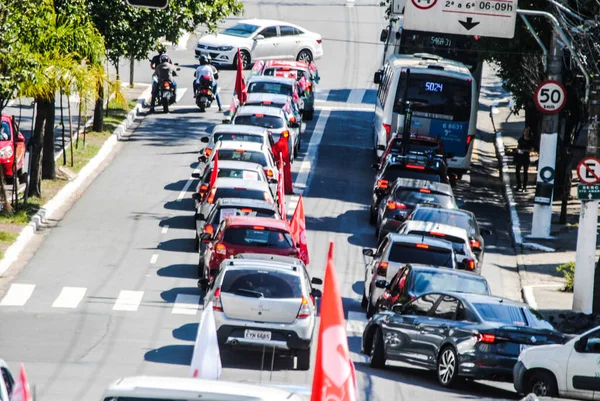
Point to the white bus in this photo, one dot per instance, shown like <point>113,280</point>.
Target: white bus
<point>444,102</point>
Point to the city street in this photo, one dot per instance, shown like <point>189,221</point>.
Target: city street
<point>108,293</point>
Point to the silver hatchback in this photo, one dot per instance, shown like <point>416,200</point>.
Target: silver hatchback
<point>265,301</point>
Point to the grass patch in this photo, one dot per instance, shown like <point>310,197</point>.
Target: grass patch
<point>6,236</point>
<point>568,271</point>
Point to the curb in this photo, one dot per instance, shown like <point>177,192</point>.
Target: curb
<point>93,166</point>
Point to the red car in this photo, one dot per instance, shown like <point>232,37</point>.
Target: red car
<point>7,146</point>
<point>242,234</point>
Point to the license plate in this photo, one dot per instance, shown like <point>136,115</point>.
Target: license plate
<point>523,347</point>
<point>257,335</point>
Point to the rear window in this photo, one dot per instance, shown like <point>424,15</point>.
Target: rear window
<point>401,253</point>
<point>410,196</point>
<point>243,156</point>
<point>260,120</point>
<point>270,87</point>
<point>267,104</point>
<point>259,284</point>
<point>425,282</point>
<point>450,218</point>
<point>501,313</point>
<point>242,193</point>
<point>238,137</point>
<point>233,173</point>
<point>392,173</point>
<point>244,211</point>
<point>262,237</point>
<point>415,146</point>
<point>457,242</point>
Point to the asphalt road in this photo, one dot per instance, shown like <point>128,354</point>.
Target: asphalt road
<point>105,295</point>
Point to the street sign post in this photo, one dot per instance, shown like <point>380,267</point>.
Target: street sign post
<point>588,170</point>
<point>550,97</point>
<point>588,192</point>
<point>398,7</point>
<point>462,17</point>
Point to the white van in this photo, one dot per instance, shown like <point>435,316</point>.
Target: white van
<point>148,388</point>
<point>444,102</point>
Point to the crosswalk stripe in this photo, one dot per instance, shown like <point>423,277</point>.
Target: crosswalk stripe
<point>180,92</point>
<point>356,323</point>
<point>128,300</point>
<point>186,304</point>
<point>69,297</point>
<point>356,96</point>
<point>322,94</point>
<point>17,295</point>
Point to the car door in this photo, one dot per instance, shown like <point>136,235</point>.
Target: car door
<point>289,42</point>
<point>267,48</point>
<point>583,368</point>
<point>436,328</point>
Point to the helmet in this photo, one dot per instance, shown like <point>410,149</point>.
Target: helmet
<point>204,60</point>
<point>162,50</point>
<point>164,58</point>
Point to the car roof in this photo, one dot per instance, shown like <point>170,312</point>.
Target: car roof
<point>261,97</point>
<point>487,299</point>
<point>417,267</point>
<point>245,221</point>
<point>236,164</point>
<point>446,210</point>
<point>423,62</point>
<point>416,183</point>
<point>266,22</point>
<point>252,260</point>
<point>269,111</point>
<point>250,129</point>
<point>396,238</point>
<point>268,78</point>
<point>240,145</point>
<point>242,202</point>
<point>192,388</point>
<point>266,257</point>
<point>429,226</point>
<point>226,182</point>
<point>286,63</point>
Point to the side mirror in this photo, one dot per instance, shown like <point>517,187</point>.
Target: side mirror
<point>316,293</point>
<point>316,281</point>
<point>380,147</point>
<point>226,121</point>
<point>202,159</point>
<point>20,138</point>
<point>375,166</point>
<point>377,77</point>
<point>381,284</point>
<point>272,181</point>
<point>383,37</point>
<point>196,196</point>
<point>294,124</point>
<point>259,37</point>
<point>195,175</point>
<point>204,139</point>
<point>368,252</point>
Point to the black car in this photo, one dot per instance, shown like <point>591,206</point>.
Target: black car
<point>418,167</point>
<point>405,194</point>
<point>457,335</point>
<point>454,217</point>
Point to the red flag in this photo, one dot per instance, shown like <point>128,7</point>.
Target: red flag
<point>281,150</point>
<point>240,85</point>
<point>334,377</point>
<point>298,228</point>
<point>215,171</point>
<point>303,84</point>
<point>280,191</point>
<point>21,390</point>
<point>233,106</point>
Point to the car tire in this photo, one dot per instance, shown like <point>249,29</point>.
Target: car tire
<point>372,216</point>
<point>201,267</point>
<point>197,244</point>
<point>305,55</point>
<point>447,367</point>
<point>309,115</point>
<point>377,354</point>
<point>245,59</point>
<point>303,361</point>
<point>542,384</point>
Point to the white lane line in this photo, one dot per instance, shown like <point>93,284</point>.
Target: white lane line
<point>186,304</point>
<point>322,95</point>
<point>182,43</point>
<point>17,295</point>
<point>356,96</point>
<point>302,179</point>
<point>349,3</point>
<point>69,297</point>
<point>154,258</point>
<point>356,323</point>
<point>180,92</point>
<point>128,300</point>
<point>187,186</point>
<point>165,229</point>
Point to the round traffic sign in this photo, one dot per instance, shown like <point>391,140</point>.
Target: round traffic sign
<point>550,97</point>
<point>547,174</point>
<point>424,4</point>
<point>588,170</point>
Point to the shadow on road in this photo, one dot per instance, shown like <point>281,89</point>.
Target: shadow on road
<point>187,332</point>
<point>171,354</point>
<point>179,222</point>
<point>179,271</point>
<point>170,295</point>
<point>178,245</point>
<point>253,360</point>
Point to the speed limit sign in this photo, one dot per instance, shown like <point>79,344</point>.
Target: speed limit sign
<point>550,97</point>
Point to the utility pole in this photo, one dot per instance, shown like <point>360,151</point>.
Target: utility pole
<point>542,209</point>
<point>586,290</point>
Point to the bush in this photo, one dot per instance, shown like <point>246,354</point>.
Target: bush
<point>568,271</point>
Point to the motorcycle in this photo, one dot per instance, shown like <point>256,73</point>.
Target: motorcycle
<point>204,93</point>
<point>166,95</point>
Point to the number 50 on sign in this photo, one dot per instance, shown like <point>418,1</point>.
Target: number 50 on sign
<point>550,97</point>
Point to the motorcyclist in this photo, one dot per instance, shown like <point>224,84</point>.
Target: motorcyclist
<point>156,59</point>
<point>165,71</point>
<point>203,69</point>
<point>216,75</point>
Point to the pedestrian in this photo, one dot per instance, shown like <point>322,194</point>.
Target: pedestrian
<point>521,158</point>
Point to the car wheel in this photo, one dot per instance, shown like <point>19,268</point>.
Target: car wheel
<point>303,361</point>
<point>305,55</point>
<point>372,216</point>
<point>377,354</point>
<point>245,59</point>
<point>364,302</point>
<point>447,367</point>
<point>197,244</point>
<point>542,384</point>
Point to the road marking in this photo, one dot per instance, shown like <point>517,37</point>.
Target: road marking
<point>180,92</point>
<point>302,180</point>
<point>322,95</point>
<point>182,43</point>
<point>69,297</point>
<point>17,295</point>
<point>186,304</point>
<point>153,258</point>
<point>128,300</point>
<point>165,229</point>
<point>356,96</point>
<point>356,323</point>
<point>187,186</point>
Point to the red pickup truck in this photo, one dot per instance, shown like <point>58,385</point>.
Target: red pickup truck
<point>8,130</point>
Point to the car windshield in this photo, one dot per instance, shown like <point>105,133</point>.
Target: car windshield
<point>501,313</point>
<point>412,196</point>
<point>261,283</point>
<point>5,132</point>
<point>237,137</point>
<point>394,172</point>
<point>271,87</point>
<point>410,253</point>
<point>293,73</point>
<point>426,281</point>
<point>445,216</point>
<point>243,156</point>
<point>244,211</point>
<point>240,30</point>
<point>242,193</point>
<point>258,236</point>
<point>233,173</point>
<point>260,120</point>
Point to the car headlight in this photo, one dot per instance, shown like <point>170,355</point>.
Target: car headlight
<point>6,152</point>
<point>225,48</point>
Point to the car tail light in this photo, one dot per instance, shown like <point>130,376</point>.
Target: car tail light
<point>486,338</point>
<point>319,41</point>
<point>304,311</point>
<point>240,150</point>
<point>221,249</point>
<point>382,184</point>
<point>436,234</point>
<point>285,134</point>
<point>211,197</point>
<point>202,189</point>
<point>269,172</point>
<point>246,210</point>
<point>475,244</point>
<point>258,228</point>
<point>259,115</point>
<point>415,167</point>
<point>393,205</point>
<point>165,84</point>
<point>423,246</point>
<point>266,102</point>
<point>209,229</point>
<point>469,140</point>
<point>387,128</point>
<point>382,268</point>
<point>425,191</point>
<point>207,151</point>
<point>469,264</point>
<point>217,305</point>
<point>204,91</point>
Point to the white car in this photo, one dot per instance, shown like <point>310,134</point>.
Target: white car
<point>260,39</point>
<point>240,133</point>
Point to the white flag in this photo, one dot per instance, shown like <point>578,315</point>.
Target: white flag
<point>206,360</point>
